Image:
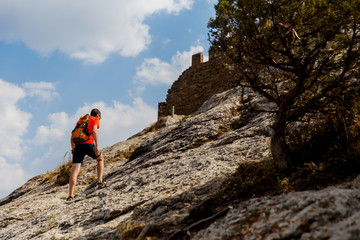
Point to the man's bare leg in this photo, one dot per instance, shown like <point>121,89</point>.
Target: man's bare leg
<point>73,178</point>
<point>100,168</point>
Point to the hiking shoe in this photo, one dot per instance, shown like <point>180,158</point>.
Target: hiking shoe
<point>70,198</point>
<point>101,184</point>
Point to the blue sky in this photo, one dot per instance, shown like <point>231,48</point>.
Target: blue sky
<point>60,59</point>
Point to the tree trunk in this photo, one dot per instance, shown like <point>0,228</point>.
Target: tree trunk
<point>278,146</point>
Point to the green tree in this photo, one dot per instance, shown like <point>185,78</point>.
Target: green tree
<point>302,55</point>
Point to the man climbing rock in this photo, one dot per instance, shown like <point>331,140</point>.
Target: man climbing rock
<point>88,147</point>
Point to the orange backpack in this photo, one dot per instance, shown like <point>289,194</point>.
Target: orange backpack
<point>81,132</point>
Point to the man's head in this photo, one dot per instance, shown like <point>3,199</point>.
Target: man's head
<point>95,112</point>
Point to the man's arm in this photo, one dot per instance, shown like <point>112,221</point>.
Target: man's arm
<point>72,144</point>
<point>96,138</point>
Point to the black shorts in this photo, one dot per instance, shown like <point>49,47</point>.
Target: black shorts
<point>81,150</point>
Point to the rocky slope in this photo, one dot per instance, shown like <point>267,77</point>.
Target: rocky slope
<point>166,183</point>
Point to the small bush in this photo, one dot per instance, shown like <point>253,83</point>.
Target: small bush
<point>199,142</point>
<point>63,174</point>
<point>242,120</point>
<point>186,117</point>
<point>328,151</point>
<point>47,176</point>
<point>132,230</point>
<point>129,230</point>
<point>122,155</point>
<point>223,129</point>
<point>235,111</point>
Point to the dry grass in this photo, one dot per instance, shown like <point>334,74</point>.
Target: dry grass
<point>63,173</point>
<point>235,111</point>
<point>122,155</point>
<point>131,231</point>
<point>47,176</point>
<point>187,117</point>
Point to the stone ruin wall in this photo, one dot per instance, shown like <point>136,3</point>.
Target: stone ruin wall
<point>196,84</point>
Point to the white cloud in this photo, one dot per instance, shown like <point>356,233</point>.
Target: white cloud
<point>89,30</point>
<point>166,41</point>
<point>14,121</point>
<point>153,71</point>
<point>14,126</point>
<point>46,91</point>
<point>11,177</point>
<point>12,129</point>
<point>212,2</point>
<point>60,124</point>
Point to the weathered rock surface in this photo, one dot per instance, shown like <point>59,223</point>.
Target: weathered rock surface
<point>332,213</point>
<point>162,178</point>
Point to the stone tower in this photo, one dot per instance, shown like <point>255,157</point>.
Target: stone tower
<point>196,84</point>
